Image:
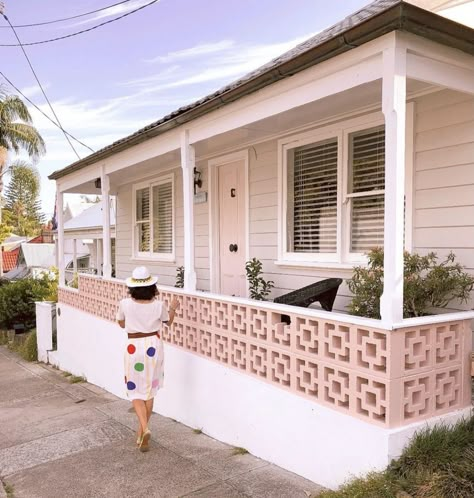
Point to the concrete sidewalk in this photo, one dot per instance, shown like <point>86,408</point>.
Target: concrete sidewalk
<point>59,439</point>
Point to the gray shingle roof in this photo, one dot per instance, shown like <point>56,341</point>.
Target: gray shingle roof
<point>333,41</point>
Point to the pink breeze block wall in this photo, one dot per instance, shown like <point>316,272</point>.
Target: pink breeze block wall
<point>388,378</point>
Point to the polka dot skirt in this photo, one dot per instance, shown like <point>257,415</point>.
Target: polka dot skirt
<point>144,367</point>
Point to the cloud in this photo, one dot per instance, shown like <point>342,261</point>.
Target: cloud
<point>35,90</point>
<point>210,62</point>
<point>196,51</point>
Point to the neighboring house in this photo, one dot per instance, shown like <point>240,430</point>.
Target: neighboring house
<point>461,11</point>
<point>83,241</point>
<point>33,260</point>
<point>10,249</point>
<point>361,136</point>
<point>12,245</point>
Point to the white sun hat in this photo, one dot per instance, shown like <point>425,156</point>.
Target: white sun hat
<point>141,278</point>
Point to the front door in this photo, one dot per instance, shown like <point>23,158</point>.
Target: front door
<point>232,239</point>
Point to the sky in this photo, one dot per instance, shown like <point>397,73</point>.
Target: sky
<point>109,82</point>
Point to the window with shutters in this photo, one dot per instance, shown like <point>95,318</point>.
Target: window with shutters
<point>154,219</point>
<point>333,193</point>
<point>312,196</point>
<point>366,187</point>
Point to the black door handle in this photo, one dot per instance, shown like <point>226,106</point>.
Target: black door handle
<point>233,248</point>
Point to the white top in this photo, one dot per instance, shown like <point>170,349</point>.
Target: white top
<point>142,317</point>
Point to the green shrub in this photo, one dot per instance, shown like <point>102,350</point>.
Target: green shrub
<point>17,301</point>
<point>3,337</point>
<point>51,281</point>
<point>259,288</point>
<point>74,283</point>
<point>29,349</point>
<point>428,284</point>
<point>179,277</point>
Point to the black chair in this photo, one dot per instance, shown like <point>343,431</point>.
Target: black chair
<point>324,291</point>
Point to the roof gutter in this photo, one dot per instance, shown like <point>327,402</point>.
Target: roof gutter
<point>402,16</point>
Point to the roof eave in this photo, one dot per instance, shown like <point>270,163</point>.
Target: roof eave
<point>403,16</point>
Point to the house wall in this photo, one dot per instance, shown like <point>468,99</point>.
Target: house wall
<point>124,229</point>
<point>444,177</point>
<point>349,398</point>
<point>317,443</point>
<point>443,204</point>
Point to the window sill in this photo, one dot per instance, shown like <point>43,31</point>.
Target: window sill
<point>150,259</point>
<point>321,264</point>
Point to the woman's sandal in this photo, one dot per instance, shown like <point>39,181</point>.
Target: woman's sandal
<point>144,441</point>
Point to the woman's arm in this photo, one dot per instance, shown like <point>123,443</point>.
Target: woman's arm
<point>120,315</point>
<point>172,311</point>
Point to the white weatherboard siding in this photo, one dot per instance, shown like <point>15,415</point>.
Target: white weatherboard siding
<point>444,177</point>
<point>124,261</point>
<point>201,234</point>
<point>304,437</point>
<point>263,227</point>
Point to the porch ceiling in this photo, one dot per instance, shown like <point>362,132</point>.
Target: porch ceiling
<point>351,101</point>
<point>135,172</point>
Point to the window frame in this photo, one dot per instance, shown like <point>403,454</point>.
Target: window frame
<point>300,141</point>
<point>342,258</point>
<point>347,255</point>
<point>151,255</point>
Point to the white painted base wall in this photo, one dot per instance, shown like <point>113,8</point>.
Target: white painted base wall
<point>44,329</point>
<point>315,442</point>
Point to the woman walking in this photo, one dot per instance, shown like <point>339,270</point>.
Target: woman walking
<point>143,316</point>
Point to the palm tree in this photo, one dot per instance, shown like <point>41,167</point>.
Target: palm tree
<point>16,131</point>
<point>16,134</point>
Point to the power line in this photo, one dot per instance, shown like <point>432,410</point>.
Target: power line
<point>79,32</point>
<point>66,18</point>
<point>43,113</point>
<point>41,86</point>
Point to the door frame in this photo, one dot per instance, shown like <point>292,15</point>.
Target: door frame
<point>214,254</point>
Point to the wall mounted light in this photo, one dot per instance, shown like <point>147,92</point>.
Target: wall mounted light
<point>197,179</point>
<point>98,183</point>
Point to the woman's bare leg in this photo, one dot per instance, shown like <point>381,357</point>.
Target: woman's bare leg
<point>149,408</point>
<point>140,410</point>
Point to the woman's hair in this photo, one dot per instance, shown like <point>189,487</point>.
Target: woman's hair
<point>143,293</point>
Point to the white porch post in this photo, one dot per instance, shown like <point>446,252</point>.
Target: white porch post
<point>74,256</point>
<point>188,162</point>
<point>60,244</point>
<point>98,258</point>
<point>394,110</point>
<point>106,243</point>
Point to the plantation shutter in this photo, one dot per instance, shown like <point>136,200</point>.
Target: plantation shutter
<point>312,196</point>
<point>143,219</point>
<point>367,187</point>
<point>163,218</point>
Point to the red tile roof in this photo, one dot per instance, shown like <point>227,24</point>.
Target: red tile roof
<point>9,260</point>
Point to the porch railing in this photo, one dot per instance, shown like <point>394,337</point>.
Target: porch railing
<point>386,377</point>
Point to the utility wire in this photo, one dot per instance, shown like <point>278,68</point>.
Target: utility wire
<point>43,113</point>
<point>40,85</point>
<point>78,32</point>
<point>67,18</point>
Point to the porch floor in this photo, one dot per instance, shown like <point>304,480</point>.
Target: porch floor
<point>61,439</point>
